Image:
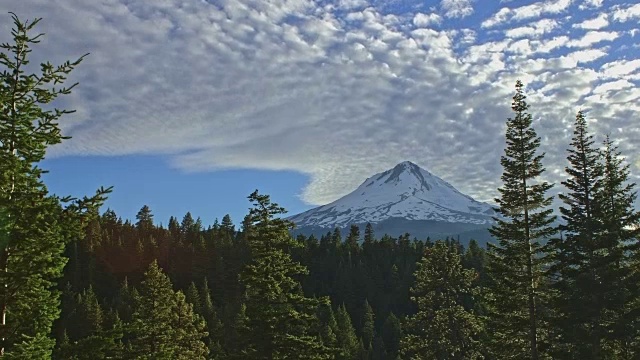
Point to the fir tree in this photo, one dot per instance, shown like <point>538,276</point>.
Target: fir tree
<point>516,263</point>
<point>581,308</point>
<point>163,323</point>
<point>193,297</point>
<point>368,325</point>
<point>442,328</point>
<point>281,318</point>
<point>36,225</point>
<point>347,339</point>
<point>328,326</point>
<point>621,252</point>
<point>145,219</point>
<point>392,334</point>
<point>352,241</point>
<point>214,325</point>
<point>238,344</point>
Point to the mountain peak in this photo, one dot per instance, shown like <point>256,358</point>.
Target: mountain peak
<point>405,191</point>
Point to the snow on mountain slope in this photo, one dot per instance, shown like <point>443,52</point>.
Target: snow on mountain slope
<point>406,191</point>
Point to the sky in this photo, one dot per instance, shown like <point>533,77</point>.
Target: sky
<point>190,105</point>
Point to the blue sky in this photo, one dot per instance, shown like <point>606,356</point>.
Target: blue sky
<point>192,104</point>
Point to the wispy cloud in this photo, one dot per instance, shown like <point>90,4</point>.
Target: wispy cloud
<point>338,89</point>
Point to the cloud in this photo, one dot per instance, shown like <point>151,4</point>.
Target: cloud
<point>594,24</point>
<point>425,20</point>
<point>593,37</point>
<point>335,90</point>
<point>456,8</point>
<point>534,10</point>
<point>591,4</point>
<point>623,14</point>
<point>620,68</point>
<point>535,29</point>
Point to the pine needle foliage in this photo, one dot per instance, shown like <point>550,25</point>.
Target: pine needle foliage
<point>517,264</point>
<point>34,226</point>
<point>442,328</point>
<point>280,318</point>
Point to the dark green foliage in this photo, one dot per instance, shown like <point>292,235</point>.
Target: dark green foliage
<point>347,339</point>
<point>368,326</point>
<point>621,262</point>
<point>145,219</point>
<point>442,328</point>
<point>215,327</point>
<point>352,241</point>
<point>580,306</point>
<point>35,226</point>
<point>281,319</point>
<point>328,326</point>
<point>516,264</point>
<point>391,335</point>
<point>163,324</point>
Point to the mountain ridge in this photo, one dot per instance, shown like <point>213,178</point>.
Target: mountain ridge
<point>404,194</point>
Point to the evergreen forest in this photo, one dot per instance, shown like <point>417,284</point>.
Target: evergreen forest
<point>79,282</point>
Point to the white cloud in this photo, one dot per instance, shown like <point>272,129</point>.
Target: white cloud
<point>337,93</point>
<point>425,20</point>
<point>626,14</point>
<point>593,37</point>
<point>534,29</point>
<point>457,8</point>
<point>534,10</point>
<point>591,4</point>
<point>596,23</point>
<point>620,68</point>
<point>612,86</point>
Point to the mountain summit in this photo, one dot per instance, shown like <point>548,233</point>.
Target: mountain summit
<point>407,195</point>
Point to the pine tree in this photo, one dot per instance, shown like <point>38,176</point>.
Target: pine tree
<point>281,318</point>
<point>442,328</point>
<point>36,225</point>
<point>621,253</point>
<point>368,325</point>
<point>392,334</point>
<point>163,324</point>
<point>352,241</point>
<point>193,297</point>
<point>214,325</point>
<point>328,326</point>
<point>369,238</point>
<point>145,219</point>
<point>238,343</point>
<point>516,263</point>
<point>581,308</point>
<point>347,339</point>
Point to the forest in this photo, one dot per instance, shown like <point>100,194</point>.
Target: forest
<point>81,283</point>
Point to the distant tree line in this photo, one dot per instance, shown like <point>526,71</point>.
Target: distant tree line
<point>77,284</point>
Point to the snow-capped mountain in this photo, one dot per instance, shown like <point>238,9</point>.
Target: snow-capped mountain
<point>406,193</point>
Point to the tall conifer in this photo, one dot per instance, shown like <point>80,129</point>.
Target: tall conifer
<point>516,263</point>
<point>580,307</point>
<point>36,225</point>
<point>281,318</point>
<point>620,251</point>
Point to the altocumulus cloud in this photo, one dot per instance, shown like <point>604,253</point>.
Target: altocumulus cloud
<point>339,89</point>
